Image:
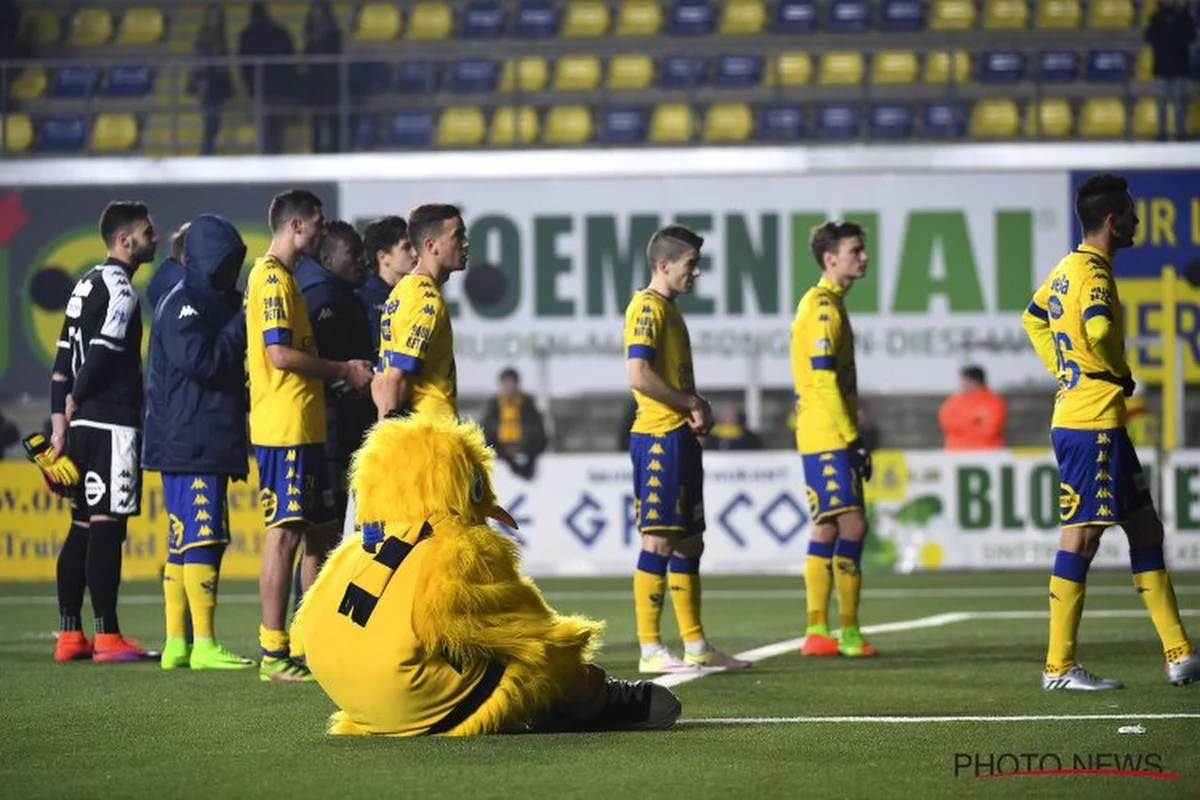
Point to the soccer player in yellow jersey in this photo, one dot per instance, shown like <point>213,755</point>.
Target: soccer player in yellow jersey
<point>668,479</point>
<point>287,420</point>
<point>836,463</point>
<point>1076,324</point>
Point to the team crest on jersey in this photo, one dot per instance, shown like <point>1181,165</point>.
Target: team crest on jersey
<point>175,528</point>
<point>1055,307</point>
<point>93,488</point>
<point>269,503</point>
<point>1068,501</point>
<point>814,503</point>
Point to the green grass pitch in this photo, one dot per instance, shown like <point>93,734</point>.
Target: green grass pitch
<point>779,729</point>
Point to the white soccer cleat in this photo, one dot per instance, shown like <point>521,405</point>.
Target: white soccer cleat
<point>1184,671</point>
<point>712,658</point>
<point>664,662</point>
<point>1078,679</point>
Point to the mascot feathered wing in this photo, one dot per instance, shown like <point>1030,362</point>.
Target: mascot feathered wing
<point>423,623</point>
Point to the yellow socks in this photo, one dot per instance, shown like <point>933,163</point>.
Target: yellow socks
<point>1068,587</point>
<point>685,599</point>
<point>1154,585</point>
<point>274,644</point>
<point>818,580</point>
<point>649,582</point>
<point>848,579</point>
<point>176,599</point>
<point>201,582</point>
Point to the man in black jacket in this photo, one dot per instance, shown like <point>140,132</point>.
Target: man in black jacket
<point>1170,35</point>
<point>169,272</point>
<point>514,427</point>
<point>270,85</point>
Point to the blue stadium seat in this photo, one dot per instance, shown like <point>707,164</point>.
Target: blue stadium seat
<point>129,81</point>
<point>418,77</point>
<point>737,71</point>
<point>74,82</point>
<point>364,131</point>
<point>691,18</point>
<point>837,121</point>
<point>849,16</point>
<point>61,133</point>
<point>1001,66</point>
<point>1058,66</point>
<point>1109,66</point>
<point>410,129</point>
<point>474,75</point>
<point>369,77</point>
<point>536,19</point>
<point>780,123</point>
<point>481,19</point>
<point>944,119</point>
<point>902,15</point>
<point>890,121</point>
<point>624,125</point>
<point>795,16</point>
<point>680,71</point>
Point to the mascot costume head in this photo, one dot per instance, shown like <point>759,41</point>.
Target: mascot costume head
<point>423,624</point>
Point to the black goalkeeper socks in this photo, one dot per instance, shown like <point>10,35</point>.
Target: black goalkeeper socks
<point>72,578</point>
<point>105,541</point>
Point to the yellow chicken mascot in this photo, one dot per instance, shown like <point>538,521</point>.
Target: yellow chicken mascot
<point>423,625</point>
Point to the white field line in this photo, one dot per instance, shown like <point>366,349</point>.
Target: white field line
<point>928,720</point>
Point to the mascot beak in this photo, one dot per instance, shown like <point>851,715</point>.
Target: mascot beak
<point>503,517</point>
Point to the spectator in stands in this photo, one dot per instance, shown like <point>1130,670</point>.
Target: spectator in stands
<point>9,435</point>
<point>270,85</point>
<point>513,426</point>
<point>1170,35</point>
<point>170,271</point>
<point>210,82</point>
<point>730,432</point>
<point>323,37</point>
<point>974,417</point>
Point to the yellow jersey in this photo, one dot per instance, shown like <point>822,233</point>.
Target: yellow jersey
<point>655,332</point>
<point>286,409</point>
<point>823,371</point>
<point>415,335</point>
<point>1080,288</point>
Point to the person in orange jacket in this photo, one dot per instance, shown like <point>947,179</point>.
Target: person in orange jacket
<point>974,417</point>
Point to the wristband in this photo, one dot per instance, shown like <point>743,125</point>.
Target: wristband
<point>58,397</point>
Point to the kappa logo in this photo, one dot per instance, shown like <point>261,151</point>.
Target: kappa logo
<point>326,313</point>
<point>428,309</point>
<point>188,311</point>
<point>93,488</point>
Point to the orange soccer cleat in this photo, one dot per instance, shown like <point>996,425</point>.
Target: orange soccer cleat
<point>72,646</point>
<point>113,648</point>
<point>816,644</point>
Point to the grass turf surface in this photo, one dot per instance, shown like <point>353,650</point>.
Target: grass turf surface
<point>131,730</point>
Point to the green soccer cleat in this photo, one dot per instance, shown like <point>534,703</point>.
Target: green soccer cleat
<point>285,670</point>
<point>175,653</point>
<point>210,655</point>
<point>852,644</point>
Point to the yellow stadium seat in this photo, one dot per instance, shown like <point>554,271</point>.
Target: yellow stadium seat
<point>1148,7</point>
<point>742,17</point>
<point>1058,15</point>
<point>460,126</point>
<point>1193,120</point>
<point>378,22</point>
<point>40,27</point>
<point>639,18</point>
<point>671,123</point>
<point>568,125</point>
<point>728,122</point>
<point>141,25</point>
<point>944,66</point>
<point>1102,118</point>
<point>513,126</point>
<point>585,19</point>
<point>114,133</point>
<point>844,68</point>
<point>894,67</point>
<point>1006,15</point>
<point>790,69</point>
<point>1145,118</point>
<point>952,15</point>
<point>1049,117</point>
<point>29,84</point>
<point>1110,15</point>
<point>994,119</point>
<point>577,74</point>
<point>631,72</point>
<point>90,27</point>
<point>430,21</point>
<point>16,133</point>
<point>524,74</point>
<point>1144,68</point>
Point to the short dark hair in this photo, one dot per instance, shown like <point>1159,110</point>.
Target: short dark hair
<point>290,204</point>
<point>671,242</point>
<point>339,230</point>
<point>827,237</point>
<point>426,221</point>
<point>1099,196</point>
<point>383,234</point>
<point>177,241</point>
<point>509,373</point>
<point>975,373</point>
<point>119,215</point>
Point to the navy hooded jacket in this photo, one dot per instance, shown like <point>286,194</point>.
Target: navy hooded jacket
<point>169,273</point>
<point>196,381</point>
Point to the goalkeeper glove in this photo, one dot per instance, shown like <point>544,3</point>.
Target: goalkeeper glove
<point>60,473</point>
<point>860,459</point>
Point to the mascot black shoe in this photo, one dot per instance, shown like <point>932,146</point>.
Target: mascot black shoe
<point>422,624</point>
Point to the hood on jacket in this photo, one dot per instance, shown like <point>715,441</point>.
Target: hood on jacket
<point>213,253</point>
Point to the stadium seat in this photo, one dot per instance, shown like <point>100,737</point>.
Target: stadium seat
<point>1108,66</point>
<point>737,71</point>
<point>535,19</point>
<point>1110,15</point>
<point>29,84</point>
<point>742,18</point>
<point>418,76</point>
<point>512,126</point>
<point>568,125</point>
<point>624,125</point>
<point>1144,69</point>
<point>129,81</point>
<point>1102,118</point>
<point>844,68</point>
<point>141,25</point>
<point>994,119</point>
<point>728,122</point>
<point>430,20</point>
<point>902,15</point>
<point>837,121</point>
<point>1049,117</point>
<point>952,15</point>
<point>40,27</point>
<point>61,133</point>
<point>780,123</point>
<point>1001,66</point>
<point>369,78</point>
<point>481,19</point>
<point>849,16</point>
<point>790,69</point>
<point>890,121</point>
<point>74,82</point>
<point>631,72</point>
<point>1057,15</point>
<point>943,66</point>
<point>944,119</point>
<point>1058,66</point>
<point>364,131</point>
<point>378,22</point>
<point>671,123</point>
<point>894,67</point>
<point>1006,15</point>
<point>680,72</point>
<point>114,133</point>
<point>577,74</point>
<point>690,18</point>
<point>586,19</point>
<point>90,27</point>
<point>639,18</point>
<point>1145,118</point>
<point>460,126</point>
<point>16,133</point>
<point>413,128</point>
<point>524,74</point>
<point>474,75</point>
<point>795,16</point>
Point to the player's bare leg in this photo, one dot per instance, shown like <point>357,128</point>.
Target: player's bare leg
<point>818,584</point>
<point>274,582</point>
<point>847,578</point>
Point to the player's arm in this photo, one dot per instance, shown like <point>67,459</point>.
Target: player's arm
<point>1105,338</point>
<point>205,355</point>
<point>403,350</point>
<point>277,309</point>
<point>60,391</point>
<point>643,338</point>
<point>820,350</point>
<point>1036,322</point>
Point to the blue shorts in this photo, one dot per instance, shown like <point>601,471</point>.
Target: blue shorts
<point>294,485</point>
<point>834,487</point>
<point>196,510</point>
<point>1101,481</point>
<point>668,482</point>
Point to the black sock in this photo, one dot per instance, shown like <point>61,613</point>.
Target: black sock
<point>104,571</point>
<point>72,578</point>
